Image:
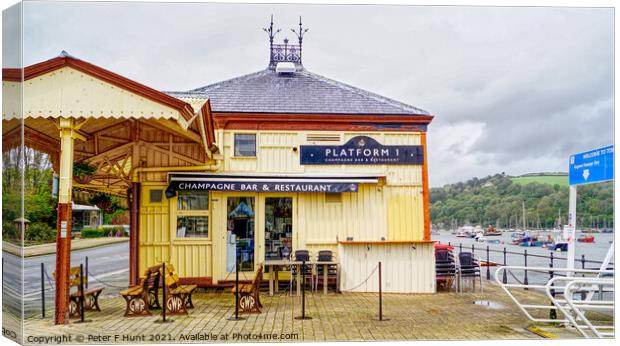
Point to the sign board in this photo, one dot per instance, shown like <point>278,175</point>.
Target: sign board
<point>63,229</point>
<point>591,166</point>
<point>361,150</point>
<point>258,186</point>
<point>254,183</point>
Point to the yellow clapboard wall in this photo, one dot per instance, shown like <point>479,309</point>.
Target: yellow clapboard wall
<point>392,210</point>
<point>191,257</point>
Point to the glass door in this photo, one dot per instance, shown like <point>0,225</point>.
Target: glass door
<point>240,233</point>
<point>278,227</point>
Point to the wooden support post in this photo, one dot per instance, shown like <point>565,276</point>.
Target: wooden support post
<point>63,225</point>
<point>134,234</point>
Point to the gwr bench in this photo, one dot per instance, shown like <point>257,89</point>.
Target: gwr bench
<point>91,295</point>
<point>179,297</point>
<point>249,294</point>
<point>143,297</point>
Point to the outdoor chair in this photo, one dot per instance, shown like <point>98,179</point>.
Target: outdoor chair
<point>249,294</point>
<point>301,256</point>
<point>469,267</point>
<point>91,295</point>
<point>332,269</point>
<point>446,269</point>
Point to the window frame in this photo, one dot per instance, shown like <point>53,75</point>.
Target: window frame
<point>235,145</point>
<point>197,213</point>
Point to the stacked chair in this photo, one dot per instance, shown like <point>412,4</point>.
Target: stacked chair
<point>446,267</point>
<point>469,267</point>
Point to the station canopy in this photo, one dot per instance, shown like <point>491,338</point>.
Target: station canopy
<point>120,123</point>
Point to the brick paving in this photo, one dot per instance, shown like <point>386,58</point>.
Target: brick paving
<point>348,316</point>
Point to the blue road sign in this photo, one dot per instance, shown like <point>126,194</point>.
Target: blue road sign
<point>592,166</point>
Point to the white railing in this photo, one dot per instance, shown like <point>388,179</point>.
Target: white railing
<point>561,290</point>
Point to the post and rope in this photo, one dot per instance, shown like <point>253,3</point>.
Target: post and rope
<point>303,294</point>
<point>236,317</point>
<point>42,290</point>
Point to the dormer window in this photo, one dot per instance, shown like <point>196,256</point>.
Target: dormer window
<point>245,145</point>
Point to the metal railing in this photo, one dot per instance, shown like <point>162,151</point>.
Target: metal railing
<point>562,298</point>
<point>503,259</point>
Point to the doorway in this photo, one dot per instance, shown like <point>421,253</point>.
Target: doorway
<point>240,233</point>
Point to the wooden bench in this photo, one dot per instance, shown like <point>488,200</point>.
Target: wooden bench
<point>91,301</point>
<point>179,297</point>
<point>249,294</point>
<point>143,297</point>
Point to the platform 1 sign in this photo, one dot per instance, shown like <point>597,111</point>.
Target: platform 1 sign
<point>362,150</point>
<point>591,166</point>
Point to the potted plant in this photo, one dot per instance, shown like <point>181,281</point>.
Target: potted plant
<point>83,172</point>
<point>103,202</point>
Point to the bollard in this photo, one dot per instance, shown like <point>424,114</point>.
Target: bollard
<point>525,282</point>
<point>303,294</point>
<point>460,247</point>
<point>504,277</point>
<point>552,313</point>
<point>86,266</point>
<point>42,290</point>
<point>488,265</point>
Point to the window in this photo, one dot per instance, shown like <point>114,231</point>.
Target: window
<point>192,226</point>
<point>245,144</point>
<point>193,214</point>
<point>156,195</point>
<point>193,200</point>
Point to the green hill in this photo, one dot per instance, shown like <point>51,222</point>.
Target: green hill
<point>499,199</point>
<point>549,179</point>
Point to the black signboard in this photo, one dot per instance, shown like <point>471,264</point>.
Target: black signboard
<point>362,150</point>
<point>251,185</point>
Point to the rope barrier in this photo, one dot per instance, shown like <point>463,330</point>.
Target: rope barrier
<point>105,283</point>
<point>363,282</point>
<point>49,280</point>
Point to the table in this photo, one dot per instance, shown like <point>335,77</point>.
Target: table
<point>277,264</point>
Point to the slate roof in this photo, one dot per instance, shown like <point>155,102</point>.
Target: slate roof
<point>267,91</point>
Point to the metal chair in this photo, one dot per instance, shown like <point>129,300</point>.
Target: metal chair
<point>332,269</point>
<point>469,267</point>
<point>301,256</point>
<point>446,269</point>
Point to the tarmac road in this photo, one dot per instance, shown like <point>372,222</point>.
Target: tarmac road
<point>108,267</point>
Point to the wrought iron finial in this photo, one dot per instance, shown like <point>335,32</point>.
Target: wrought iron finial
<point>300,34</point>
<point>285,52</point>
<point>270,31</point>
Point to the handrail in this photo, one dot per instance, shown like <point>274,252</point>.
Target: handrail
<point>576,308</point>
<point>567,304</point>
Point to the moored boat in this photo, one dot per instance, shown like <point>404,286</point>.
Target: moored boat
<point>586,238</point>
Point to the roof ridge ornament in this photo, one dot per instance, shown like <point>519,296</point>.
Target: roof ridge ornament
<point>285,52</point>
<point>300,36</point>
<point>271,34</point>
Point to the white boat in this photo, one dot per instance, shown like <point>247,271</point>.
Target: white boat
<point>465,232</point>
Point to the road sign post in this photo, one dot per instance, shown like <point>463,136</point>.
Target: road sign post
<point>589,167</point>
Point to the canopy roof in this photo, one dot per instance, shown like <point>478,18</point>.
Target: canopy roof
<point>121,124</point>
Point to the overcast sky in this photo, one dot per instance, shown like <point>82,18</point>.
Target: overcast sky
<point>513,90</point>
